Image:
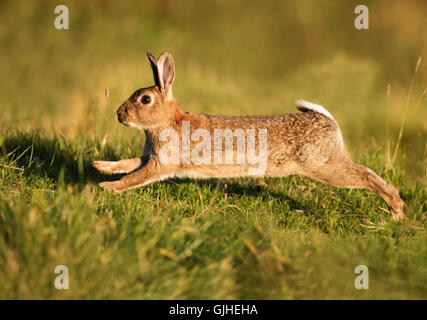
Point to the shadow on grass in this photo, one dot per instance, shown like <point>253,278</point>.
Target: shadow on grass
<point>69,162</point>
<point>251,190</point>
<point>53,157</point>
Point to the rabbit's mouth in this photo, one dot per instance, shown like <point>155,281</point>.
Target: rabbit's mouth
<point>125,123</point>
<point>121,119</point>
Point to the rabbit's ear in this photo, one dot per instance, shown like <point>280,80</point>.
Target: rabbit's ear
<point>166,69</point>
<point>163,72</point>
<point>153,63</point>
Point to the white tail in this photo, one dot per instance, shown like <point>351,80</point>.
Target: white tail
<point>304,106</point>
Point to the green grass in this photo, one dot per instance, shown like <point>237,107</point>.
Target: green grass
<point>265,239</point>
<point>290,238</point>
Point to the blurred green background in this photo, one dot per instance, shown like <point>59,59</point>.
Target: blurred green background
<point>232,57</point>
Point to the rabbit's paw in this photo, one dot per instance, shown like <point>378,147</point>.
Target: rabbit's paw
<point>397,212</point>
<point>104,166</point>
<point>110,186</point>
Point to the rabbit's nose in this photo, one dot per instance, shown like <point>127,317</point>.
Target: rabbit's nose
<point>121,111</point>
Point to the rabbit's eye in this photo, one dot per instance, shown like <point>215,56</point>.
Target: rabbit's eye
<point>146,99</point>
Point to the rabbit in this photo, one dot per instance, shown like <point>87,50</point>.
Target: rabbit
<point>307,143</point>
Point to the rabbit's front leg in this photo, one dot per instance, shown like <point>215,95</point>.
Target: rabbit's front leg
<point>142,177</point>
<point>126,165</point>
<point>121,166</point>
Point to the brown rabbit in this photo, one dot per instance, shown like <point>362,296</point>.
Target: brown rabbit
<point>188,145</point>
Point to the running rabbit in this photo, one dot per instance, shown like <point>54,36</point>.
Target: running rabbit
<point>188,145</point>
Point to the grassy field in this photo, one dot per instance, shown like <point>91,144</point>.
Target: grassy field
<point>290,238</point>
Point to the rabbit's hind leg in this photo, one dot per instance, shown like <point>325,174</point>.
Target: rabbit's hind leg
<point>114,167</point>
<point>347,174</point>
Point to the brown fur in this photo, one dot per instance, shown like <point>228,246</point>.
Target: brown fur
<point>308,143</point>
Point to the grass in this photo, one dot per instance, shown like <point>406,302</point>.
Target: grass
<point>290,238</point>
<point>266,239</point>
